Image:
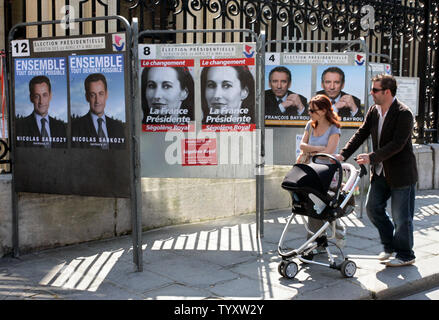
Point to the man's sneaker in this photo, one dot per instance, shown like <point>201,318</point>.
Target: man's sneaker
<point>385,255</point>
<point>399,263</point>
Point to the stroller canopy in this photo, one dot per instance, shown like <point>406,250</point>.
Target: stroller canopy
<point>317,176</point>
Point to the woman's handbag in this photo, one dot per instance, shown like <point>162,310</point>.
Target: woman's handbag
<point>305,157</point>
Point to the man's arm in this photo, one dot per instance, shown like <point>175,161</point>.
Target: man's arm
<point>359,137</point>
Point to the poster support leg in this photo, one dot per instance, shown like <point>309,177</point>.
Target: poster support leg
<point>136,193</point>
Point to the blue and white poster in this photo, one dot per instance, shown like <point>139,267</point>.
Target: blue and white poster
<point>97,93</point>
<point>41,102</point>
<point>292,79</point>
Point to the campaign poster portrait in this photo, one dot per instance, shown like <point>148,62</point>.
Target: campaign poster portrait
<point>97,101</point>
<point>227,88</point>
<point>41,112</point>
<point>340,76</point>
<point>345,86</point>
<point>287,92</point>
<point>167,94</point>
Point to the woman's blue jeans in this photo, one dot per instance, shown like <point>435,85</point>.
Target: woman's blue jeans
<point>397,233</point>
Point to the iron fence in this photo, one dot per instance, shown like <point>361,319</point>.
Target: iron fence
<point>405,30</point>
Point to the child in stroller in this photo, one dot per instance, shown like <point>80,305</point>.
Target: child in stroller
<point>309,186</point>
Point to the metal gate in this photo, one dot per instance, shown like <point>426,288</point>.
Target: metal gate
<point>405,30</point>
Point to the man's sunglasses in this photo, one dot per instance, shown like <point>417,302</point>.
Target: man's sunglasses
<point>375,90</point>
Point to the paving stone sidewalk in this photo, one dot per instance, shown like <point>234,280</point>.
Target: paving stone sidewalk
<point>223,259</point>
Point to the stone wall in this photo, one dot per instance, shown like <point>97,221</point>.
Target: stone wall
<point>5,214</point>
<point>424,157</point>
<point>47,221</point>
<point>435,156</point>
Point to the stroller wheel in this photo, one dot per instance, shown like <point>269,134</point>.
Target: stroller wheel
<point>280,267</point>
<point>290,269</point>
<point>348,268</point>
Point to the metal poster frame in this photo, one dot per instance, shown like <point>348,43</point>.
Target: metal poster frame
<point>5,145</point>
<point>133,164</point>
<point>363,48</point>
<point>259,115</point>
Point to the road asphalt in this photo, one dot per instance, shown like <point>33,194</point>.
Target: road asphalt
<point>224,260</point>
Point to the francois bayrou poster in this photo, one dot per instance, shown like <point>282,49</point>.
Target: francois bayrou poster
<point>71,114</point>
<point>292,79</point>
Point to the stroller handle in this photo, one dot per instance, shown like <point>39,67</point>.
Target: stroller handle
<point>325,155</point>
<point>363,170</point>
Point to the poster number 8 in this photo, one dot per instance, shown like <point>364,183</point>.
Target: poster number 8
<point>147,51</point>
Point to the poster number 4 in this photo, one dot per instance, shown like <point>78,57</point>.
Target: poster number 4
<point>272,58</point>
<point>20,48</point>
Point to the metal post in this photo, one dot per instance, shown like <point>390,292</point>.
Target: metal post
<point>261,145</point>
<point>365,147</point>
<point>14,195</point>
<point>136,192</point>
<point>401,54</point>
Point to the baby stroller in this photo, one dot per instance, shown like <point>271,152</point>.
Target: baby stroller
<point>309,186</point>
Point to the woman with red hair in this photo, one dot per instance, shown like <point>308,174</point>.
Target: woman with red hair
<point>322,135</point>
<point>325,127</point>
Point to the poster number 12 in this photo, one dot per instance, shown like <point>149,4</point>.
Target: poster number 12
<point>20,48</point>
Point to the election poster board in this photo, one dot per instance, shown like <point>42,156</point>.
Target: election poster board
<point>293,78</point>
<point>167,88</point>
<point>375,69</point>
<point>379,68</point>
<point>195,100</point>
<point>41,89</point>
<point>104,74</point>
<point>70,115</point>
<point>216,81</point>
<point>3,107</point>
<point>228,94</point>
<point>408,92</point>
